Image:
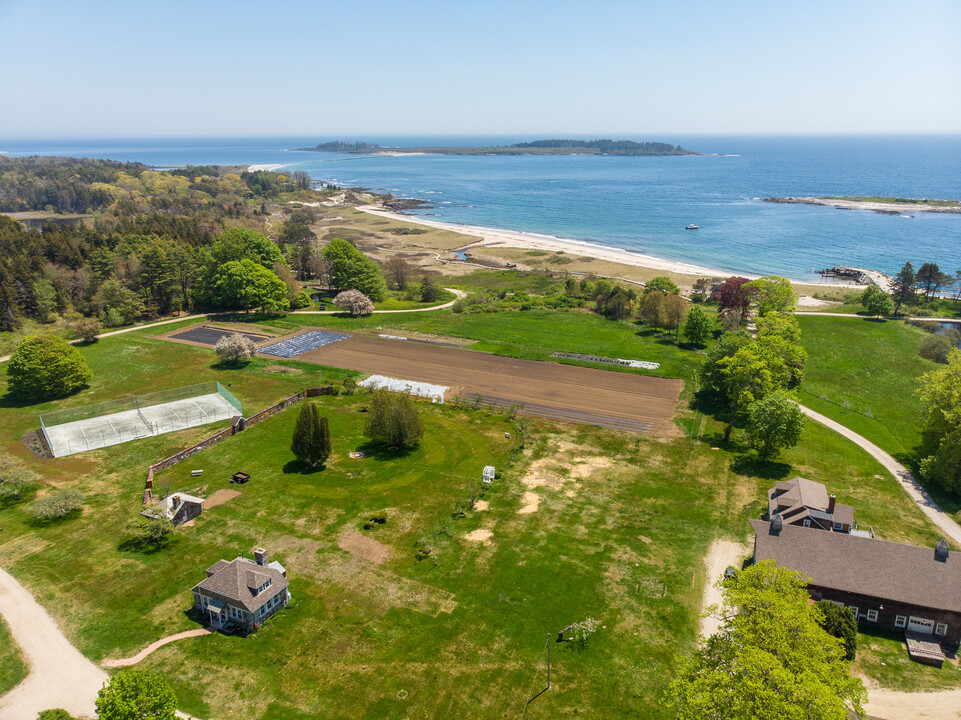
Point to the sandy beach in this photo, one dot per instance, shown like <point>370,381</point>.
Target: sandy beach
<point>268,168</point>
<point>495,237</point>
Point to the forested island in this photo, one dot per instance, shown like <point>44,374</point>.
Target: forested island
<point>537,147</point>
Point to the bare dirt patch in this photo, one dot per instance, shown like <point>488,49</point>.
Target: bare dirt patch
<point>481,505</point>
<point>722,554</point>
<point>364,547</point>
<point>479,535</point>
<point>532,501</point>
<point>624,395</point>
<point>897,705</point>
<point>220,497</point>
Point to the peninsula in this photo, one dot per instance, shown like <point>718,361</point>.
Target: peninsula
<point>538,147</point>
<point>883,205</point>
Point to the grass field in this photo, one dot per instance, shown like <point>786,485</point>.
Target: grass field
<point>534,335</point>
<point>586,523</point>
<point>12,667</point>
<point>864,374</point>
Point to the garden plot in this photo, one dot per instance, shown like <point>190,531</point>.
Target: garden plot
<point>299,344</point>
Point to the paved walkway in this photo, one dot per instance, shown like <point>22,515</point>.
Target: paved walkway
<point>125,662</point>
<point>60,676</point>
<point>935,514</point>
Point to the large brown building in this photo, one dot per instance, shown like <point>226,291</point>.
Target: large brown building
<point>886,584</point>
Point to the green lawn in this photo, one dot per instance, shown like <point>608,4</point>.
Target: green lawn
<point>12,667</point>
<point>618,530</point>
<point>864,374</point>
<point>533,334</point>
<point>883,657</point>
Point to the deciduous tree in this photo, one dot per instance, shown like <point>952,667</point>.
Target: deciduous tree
<point>771,659</point>
<point>746,377</point>
<point>354,302</point>
<point>675,309</point>
<point>775,422</point>
<point>399,270</point>
<point>940,392</point>
<point>697,327</point>
<point>350,269</point>
<point>839,622</point>
<point>876,301</point>
<point>235,349</point>
<point>772,293</point>
<point>136,695</point>
<point>662,283</point>
<point>393,420</point>
<point>734,295</point>
<point>245,284</point>
<point>46,366</point>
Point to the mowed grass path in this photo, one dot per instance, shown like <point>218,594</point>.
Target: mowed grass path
<point>619,530</point>
<point>13,669</point>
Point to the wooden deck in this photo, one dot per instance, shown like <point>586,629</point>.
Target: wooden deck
<point>924,649</point>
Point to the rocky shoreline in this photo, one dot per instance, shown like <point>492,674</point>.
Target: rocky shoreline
<point>884,208</point>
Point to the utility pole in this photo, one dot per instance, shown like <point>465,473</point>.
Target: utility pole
<point>548,661</point>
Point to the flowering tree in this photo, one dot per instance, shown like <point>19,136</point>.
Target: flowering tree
<point>354,302</point>
<point>235,349</point>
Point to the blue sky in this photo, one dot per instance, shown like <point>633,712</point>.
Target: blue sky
<point>217,68</point>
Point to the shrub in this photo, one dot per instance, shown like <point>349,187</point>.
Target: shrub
<point>354,302</point>
<point>935,347</point>
<point>429,292</point>
<point>350,386</point>
<point>55,714</point>
<point>300,300</point>
<point>579,634</point>
<point>87,329</point>
<point>235,349</point>
<point>393,420</point>
<point>58,505</point>
<point>45,366</point>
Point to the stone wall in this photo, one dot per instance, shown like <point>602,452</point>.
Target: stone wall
<point>237,424</point>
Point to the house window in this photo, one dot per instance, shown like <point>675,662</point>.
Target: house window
<point>941,629</point>
<point>838,527</point>
<point>854,609</point>
<point>807,522</point>
<point>873,615</point>
<point>900,621</point>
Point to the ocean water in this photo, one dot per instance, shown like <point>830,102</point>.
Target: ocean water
<point>641,203</point>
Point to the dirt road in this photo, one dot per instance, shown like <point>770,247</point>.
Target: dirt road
<point>723,553</point>
<point>60,676</point>
<point>622,395</point>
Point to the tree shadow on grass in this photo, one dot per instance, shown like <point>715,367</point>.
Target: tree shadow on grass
<point>753,466</point>
<point>380,451</point>
<point>132,545</point>
<point>301,467</point>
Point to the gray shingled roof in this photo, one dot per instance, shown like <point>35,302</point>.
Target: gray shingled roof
<point>799,498</point>
<point>876,568</point>
<point>236,580</point>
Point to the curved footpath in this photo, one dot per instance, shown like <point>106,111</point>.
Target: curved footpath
<point>935,514</point>
<point>134,328</point>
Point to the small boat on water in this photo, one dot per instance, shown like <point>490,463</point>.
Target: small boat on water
<point>692,226</point>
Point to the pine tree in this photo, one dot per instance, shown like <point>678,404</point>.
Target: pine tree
<point>311,441</point>
<point>904,283</point>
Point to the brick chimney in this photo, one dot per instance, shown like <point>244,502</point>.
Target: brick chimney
<point>831,501</point>
<point>260,555</point>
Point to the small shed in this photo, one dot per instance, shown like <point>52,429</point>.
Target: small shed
<point>489,473</point>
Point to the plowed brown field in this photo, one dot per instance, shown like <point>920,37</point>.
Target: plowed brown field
<point>637,398</point>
